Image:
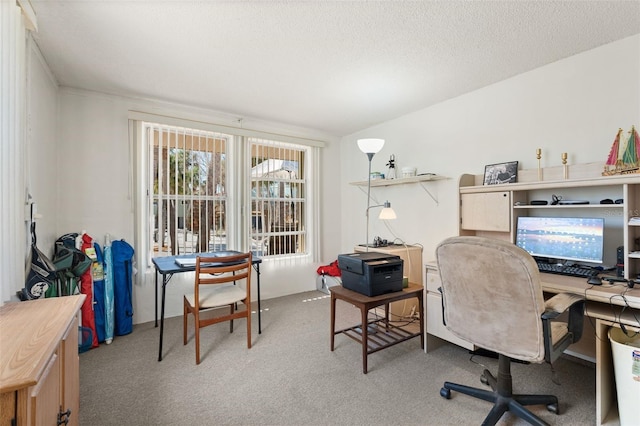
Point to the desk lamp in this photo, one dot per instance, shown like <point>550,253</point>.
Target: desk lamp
<point>371,147</point>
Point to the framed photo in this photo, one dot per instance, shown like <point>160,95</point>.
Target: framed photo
<point>495,174</point>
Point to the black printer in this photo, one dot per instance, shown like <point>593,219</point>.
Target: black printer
<point>371,273</point>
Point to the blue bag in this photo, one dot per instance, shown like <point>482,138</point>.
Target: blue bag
<point>122,259</point>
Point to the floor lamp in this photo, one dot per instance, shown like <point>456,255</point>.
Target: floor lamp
<point>371,147</point>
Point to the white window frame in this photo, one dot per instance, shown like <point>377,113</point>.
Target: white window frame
<point>238,184</point>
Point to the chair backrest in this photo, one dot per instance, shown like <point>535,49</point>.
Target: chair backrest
<point>492,296</point>
<point>223,269</point>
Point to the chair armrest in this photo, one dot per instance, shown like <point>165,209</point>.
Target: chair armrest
<point>559,304</point>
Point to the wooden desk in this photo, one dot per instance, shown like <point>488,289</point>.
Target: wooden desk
<point>383,334</point>
<point>610,305</point>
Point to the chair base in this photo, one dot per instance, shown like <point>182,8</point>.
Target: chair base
<point>502,397</point>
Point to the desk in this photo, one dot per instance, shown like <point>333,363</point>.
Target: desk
<point>383,336</point>
<point>167,266</point>
<point>610,306</point>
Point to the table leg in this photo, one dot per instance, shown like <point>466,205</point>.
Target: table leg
<point>386,316</point>
<point>164,284</point>
<point>422,319</point>
<point>257,268</point>
<point>365,337</point>
<point>333,319</point>
<point>156,298</point>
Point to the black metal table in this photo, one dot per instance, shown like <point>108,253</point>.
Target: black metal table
<point>167,266</point>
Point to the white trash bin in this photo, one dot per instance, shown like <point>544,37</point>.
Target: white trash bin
<point>626,365</point>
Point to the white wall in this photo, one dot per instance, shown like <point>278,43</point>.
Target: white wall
<point>575,105</point>
<point>42,152</point>
<point>95,190</point>
<point>40,169</point>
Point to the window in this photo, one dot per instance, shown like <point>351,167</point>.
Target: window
<point>202,190</point>
<point>187,181</point>
<point>278,198</point>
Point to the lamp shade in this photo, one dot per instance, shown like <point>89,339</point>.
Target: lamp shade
<point>370,146</point>
<point>387,212</point>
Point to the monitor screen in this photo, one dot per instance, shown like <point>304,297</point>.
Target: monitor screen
<point>565,238</point>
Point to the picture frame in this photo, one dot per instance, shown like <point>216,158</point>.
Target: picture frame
<point>499,173</point>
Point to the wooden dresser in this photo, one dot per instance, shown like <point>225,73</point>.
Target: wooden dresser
<point>39,362</point>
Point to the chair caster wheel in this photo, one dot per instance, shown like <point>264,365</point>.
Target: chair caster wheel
<point>445,393</point>
<point>553,408</point>
<point>484,380</point>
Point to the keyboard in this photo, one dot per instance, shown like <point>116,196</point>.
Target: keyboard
<point>572,271</point>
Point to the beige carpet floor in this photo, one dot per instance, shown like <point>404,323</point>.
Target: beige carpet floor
<point>290,377</point>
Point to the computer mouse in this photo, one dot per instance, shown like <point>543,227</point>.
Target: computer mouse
<point>594,280</point>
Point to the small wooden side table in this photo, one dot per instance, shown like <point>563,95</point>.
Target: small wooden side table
<point>376,334</point>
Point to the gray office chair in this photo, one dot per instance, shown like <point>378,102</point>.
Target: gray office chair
<point>492,298</point>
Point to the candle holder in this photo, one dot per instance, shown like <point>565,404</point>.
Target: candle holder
<point>539,156</point>
<point>565,168</point>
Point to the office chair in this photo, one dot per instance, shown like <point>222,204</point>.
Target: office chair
<point>492,297</point>
<point>218,284</point>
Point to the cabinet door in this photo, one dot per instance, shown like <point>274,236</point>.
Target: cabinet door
<point>8,409</point>
<point>44,398</point>
<point>70,373</point>
<point>489,211</point>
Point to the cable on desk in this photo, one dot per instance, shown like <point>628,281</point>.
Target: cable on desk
<point>402,322</point>
<point>622,295</point>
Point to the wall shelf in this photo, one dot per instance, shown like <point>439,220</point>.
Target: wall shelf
<point>575,206</point>
<point>420,179</point>
<point>399,181</point>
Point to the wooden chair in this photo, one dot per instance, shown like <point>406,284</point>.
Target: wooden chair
<point>220,281</point>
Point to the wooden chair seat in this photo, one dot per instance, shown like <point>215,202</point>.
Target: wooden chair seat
<point>222,295</point>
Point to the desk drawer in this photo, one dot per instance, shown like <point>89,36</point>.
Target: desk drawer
<point>433,280</point>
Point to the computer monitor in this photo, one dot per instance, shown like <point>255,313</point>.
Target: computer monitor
<point>579,239</point>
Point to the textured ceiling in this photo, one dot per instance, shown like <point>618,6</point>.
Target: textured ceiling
<point>334,66</point>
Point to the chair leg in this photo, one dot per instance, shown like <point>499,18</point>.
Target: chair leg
<point>518,409</point>
<point>231,310</point>
<point>197,323</point>
<point>502,397</point>
<point>248,305</point>
<point>499,408</point>
<point>483,394</point>
<point>185,312</point>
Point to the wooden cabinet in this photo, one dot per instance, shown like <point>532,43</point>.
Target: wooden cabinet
<point>412,269</point>
<point>39,363</point>
<point>493,210</point>
<point>488,211</point>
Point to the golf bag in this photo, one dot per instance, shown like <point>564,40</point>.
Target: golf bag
<point>40,273</point>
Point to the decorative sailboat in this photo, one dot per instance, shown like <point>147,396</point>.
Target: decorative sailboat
<point>627,163</point>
